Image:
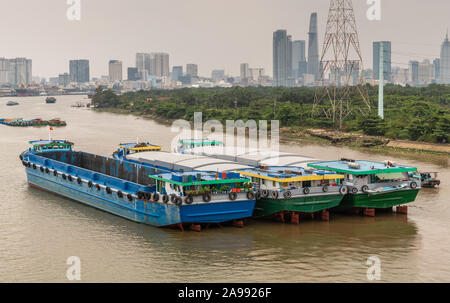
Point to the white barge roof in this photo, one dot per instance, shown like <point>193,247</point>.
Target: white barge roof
<point>253,157</point>
<point>185,162</point>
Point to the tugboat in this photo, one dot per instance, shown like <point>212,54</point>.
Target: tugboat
<point>137,190</point>
<point>374,185</point>
<point>50,100</point>
<point>12,103</point>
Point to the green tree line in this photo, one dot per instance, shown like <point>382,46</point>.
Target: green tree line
<point>419,114</point>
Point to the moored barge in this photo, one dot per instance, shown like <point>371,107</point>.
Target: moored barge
<point>295,190</point>
<point>130,189</point>
<point>374,185</point>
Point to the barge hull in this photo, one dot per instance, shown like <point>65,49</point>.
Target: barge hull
<point>147,212</point>
<point>385,200</point>
<point>307,204</point>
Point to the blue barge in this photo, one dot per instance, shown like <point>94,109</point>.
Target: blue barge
<point>124,188</point>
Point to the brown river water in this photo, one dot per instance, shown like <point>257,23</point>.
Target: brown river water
<point>39,231</point>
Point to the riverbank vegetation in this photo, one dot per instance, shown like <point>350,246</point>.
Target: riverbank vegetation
<point>417,114</point>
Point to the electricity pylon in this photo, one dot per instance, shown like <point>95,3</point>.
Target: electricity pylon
<point>342,63</point>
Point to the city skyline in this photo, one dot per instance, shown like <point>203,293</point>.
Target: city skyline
<point>57,40</point>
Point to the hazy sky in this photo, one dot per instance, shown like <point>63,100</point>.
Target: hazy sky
<point>214,34</point>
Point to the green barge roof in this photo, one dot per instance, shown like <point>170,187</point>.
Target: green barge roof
<point>365,167</point>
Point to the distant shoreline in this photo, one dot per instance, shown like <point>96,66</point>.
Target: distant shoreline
<point>414,150</point>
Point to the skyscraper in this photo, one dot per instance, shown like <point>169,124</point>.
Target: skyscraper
<point>79,71</point>
<point>192,70</point>
<point>282,57</point>
<point>426,71</point>
<point>445,61</point>
<point>218,74</point>
<point>159,64</point>
<point>144,65</point>
<point>115,70</point>
<point>64,79</point>
<point>387,66</point>
<point>177,73</point>
<point>244,71</point>
<point>313,47</point>
<point>298,57</point>
<point>133,74</point>
<point>414,73</point>
<point>14,71</point>
<point>437,69</point>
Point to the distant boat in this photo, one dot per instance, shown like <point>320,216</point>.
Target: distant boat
<point>50,100</point>
<point>12,103</point>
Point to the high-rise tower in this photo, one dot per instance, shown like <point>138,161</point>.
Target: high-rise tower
<point>387,66</point>
<point>313,47</point>
<point>298,58</point>
<point>282,57</point>
<point>445,61</point>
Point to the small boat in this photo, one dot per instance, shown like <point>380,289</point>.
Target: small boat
<point>133,148</point>
<point>50,100</point>
<point>57,122</point>
<point>12,103</point>
<point>429,180</point>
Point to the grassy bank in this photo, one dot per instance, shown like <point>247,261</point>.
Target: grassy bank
<point>416,119</point>
<point>409,150</point>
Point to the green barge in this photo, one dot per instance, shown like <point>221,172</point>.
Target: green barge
<point>374,185</point>
<point>294,189</point>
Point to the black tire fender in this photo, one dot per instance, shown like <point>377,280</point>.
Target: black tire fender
<point>232,196</point>
<point>274,194</point>
<point>306,190</point>
<point>140,195</point>
<point>189,200</point>
<point>343,190</point>
<point>177,201</point>
<point>251,195</point>
<point>207,197</point>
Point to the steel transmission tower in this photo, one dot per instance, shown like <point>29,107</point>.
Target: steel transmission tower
<point>341,61</point>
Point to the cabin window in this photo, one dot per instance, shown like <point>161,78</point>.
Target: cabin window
<point>274,184</point>
<point>285,184</point>
<point>306,184</point>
